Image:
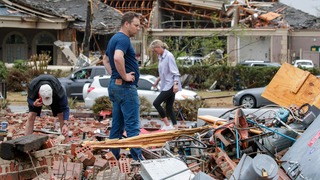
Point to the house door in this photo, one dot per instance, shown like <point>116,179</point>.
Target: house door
<point>44,43</point>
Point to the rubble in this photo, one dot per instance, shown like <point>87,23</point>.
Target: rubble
<point>248,14</point>
<point>269,143</point>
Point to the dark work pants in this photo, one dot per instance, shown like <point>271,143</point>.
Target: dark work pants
<point>167,97</point>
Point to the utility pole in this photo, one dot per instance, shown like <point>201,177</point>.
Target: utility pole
<point>87,32</point>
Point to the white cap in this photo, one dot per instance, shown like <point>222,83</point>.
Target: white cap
<point>45,92</point>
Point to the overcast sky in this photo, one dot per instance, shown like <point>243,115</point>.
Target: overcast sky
<point>309,6</point>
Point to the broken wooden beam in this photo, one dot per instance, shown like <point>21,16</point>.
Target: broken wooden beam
<point>19,147</point>
<point>216,121</point>
<point>144,140</point>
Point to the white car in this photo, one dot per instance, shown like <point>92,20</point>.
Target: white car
<point>99,87</point>
<point>188,61</point>
<point>305,63</point>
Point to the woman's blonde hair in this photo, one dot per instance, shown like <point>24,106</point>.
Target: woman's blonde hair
<point>158,43</point>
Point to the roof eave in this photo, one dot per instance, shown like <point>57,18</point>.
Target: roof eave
<point>33,22</point>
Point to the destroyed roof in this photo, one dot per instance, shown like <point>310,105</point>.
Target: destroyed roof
<point>270,14</point>
<point>106,19</point>
<point>296,19</point>
<point>308,6</point>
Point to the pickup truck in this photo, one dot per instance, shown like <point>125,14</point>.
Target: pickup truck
<point>73,83</point>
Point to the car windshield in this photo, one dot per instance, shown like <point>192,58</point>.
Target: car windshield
<point>152,79</point>
<point>305,63</point>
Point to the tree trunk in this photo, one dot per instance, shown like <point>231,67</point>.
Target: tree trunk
<point>87,33</point>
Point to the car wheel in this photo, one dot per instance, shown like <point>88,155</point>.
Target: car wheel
<point>248,101</point>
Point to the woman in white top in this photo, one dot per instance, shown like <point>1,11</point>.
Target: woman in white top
<point>170,83</point>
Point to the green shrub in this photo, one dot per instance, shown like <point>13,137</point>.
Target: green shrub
<point>3,70</point>
<point>20,64</point>
<point>72,103</point>
<point>145,106</point>
<point>188,109</point>
<point>227,77</point>
<point>4,103</point>
<point>101,103</point>
<point>18,80</point>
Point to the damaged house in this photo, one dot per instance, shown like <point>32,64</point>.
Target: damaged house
<point>261,30</point>
<point>264,30</point>
<point>30,27</point>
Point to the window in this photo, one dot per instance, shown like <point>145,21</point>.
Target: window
<point>104,82</point>
<point>99,71</point>
<point>15,48</point>
<point>15,39</point>
<point>259,64</point>
<point>83,74</point>
<point>144,84</point>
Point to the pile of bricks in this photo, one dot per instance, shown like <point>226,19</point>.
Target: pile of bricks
<point>38,162</point>
<point>62,157</point>
<point>77,125</point>
<point>66,162</point>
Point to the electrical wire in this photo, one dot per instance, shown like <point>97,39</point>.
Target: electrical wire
<point>273,131</point>
<point>291,112</point>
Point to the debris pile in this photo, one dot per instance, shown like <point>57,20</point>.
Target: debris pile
<point>274,142</point>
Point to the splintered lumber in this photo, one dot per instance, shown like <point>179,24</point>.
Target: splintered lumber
<point>214,121</point>
<point>293,86</point>
<point>144,140</point>
<point>22,145</point>
<point>269,16</point>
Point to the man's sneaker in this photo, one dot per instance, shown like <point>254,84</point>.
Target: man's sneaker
<point>167,128</point>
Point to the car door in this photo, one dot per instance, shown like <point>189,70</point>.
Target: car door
<point>144,89</point>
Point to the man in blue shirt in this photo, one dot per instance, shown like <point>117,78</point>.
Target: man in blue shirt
<point>47,90</point>
<point>120,61</point>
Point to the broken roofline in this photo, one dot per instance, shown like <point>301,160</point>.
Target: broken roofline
<point>33,12</point>
<point>100,31</point>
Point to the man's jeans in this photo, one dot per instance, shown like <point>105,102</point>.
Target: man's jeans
<point>125,114</point>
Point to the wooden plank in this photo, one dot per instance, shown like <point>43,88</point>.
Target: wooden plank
<point>293,86</point>
<point>144,140</point>
<point>213,120</point>
<point>300,82</point>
